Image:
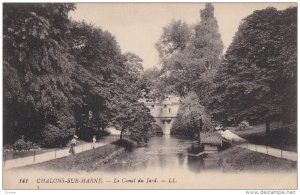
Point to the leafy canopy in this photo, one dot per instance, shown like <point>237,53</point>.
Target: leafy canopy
<point>257,79</point>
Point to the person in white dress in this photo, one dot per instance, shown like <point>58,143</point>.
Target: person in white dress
<point>94,142</point>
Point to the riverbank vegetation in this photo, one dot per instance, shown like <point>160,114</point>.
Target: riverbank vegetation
<point>240,159</point>
<point>284,138</point>
<point>87,160</point>
<point>64,77</point>
<point>257,80</point>
<point>254,81</point>
<point>115,157</point>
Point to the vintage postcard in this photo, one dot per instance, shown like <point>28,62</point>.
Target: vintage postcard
<point>150,96</point>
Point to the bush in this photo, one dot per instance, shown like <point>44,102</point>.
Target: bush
<point>21,144</point>
<point>8,147</point>
<point>243,125</point>
<point>87,133</point>
<point>157,130</point>
<point>126,143</point>
<point>55,137</point>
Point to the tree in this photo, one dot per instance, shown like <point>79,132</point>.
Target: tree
<point>99,62</point>
<point>151,85</point>
<point>174,39</point>
<point>131,117</point>
<point>133,65</point>
<point>108,84</point>
<point>192,117</point>
<point>36,70</point>
<point>257,79</point>
<point>61,76</point>
<point>191,65</point>
<point>190,57</point>
<point>207,45</point>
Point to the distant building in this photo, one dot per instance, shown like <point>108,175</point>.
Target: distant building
<point>164,112</point>
<point>212,141</point>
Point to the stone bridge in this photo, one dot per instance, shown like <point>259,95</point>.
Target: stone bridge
<point>164,112</point>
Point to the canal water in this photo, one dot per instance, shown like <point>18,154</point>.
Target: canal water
<point>163,153</point>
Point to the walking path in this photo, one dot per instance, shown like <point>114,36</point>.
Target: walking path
<point>289,155</point>
<point>19,162</point>
<point>232,137</point>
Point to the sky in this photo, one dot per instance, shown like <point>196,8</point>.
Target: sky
<point>138,26</point>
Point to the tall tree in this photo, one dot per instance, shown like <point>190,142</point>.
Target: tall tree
<point>133,65</point>
<point>99,62</point>
<point>174,39</point>
<point>192,117</point>
<point>257,80</point>
<point>191,66</point>
<point>36,71</point>
<point>151,85</point>
<point>206,44</point>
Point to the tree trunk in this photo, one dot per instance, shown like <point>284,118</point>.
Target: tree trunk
<point>121,134</point>
<point>98,133</point>
<point>268,129</point>
<point>200,130</point>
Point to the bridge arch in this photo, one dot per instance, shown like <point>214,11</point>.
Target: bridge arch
<point>164,112</point>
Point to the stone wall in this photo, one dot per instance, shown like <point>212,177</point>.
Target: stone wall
<point>164,112</point>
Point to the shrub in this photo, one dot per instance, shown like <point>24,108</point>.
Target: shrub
<point>8,147</point>
<point>243,125</point>
<point>55,137</point>
<point>87,133</point>
<point>21,144</point>
<point>157,130</point>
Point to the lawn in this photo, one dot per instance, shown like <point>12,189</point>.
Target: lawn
<point>230,160</point>
<point>282,138</point>
<point>13,154</point>
<point>84,161</point>
<point>240,159</point>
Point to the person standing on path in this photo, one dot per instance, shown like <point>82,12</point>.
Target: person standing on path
<point>94,142</point>
<point>73,143</point>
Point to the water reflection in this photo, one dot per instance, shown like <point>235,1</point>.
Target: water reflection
<point>164,152</point>
<point>195,164</point>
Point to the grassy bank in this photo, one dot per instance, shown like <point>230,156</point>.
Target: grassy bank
<point>115,157</point>
<point>84,161</point>
<point>240,159</point>
<point>20,154</point>
<point>233,159</point>
<point>282,138</point>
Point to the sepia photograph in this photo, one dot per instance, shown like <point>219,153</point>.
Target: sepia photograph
<point>199,95</point>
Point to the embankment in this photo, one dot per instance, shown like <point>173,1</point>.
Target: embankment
<point>85,161</point>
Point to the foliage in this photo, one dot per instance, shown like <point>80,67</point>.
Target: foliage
<point>128,117</point>
<point>151,85</point>
<point>174,39</point>
<point>190,57</point>
<point>207,44</point>
<point>257,79</point>
<point>134,66</point>
<point>21,144</point>
<point>108,84</point>
<point>243,125</point>
<point>56,137</point>
<point>157,130</point>
<point>192,117</point>
<point>36,70</point>
<point>62,76</point>
<point>98,60</point>
<point>191,65</point>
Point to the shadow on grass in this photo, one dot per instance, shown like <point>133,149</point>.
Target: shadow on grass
<point>125,143</point>
<point>282,138</point>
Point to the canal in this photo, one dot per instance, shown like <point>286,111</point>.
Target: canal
<point>162,153</point>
